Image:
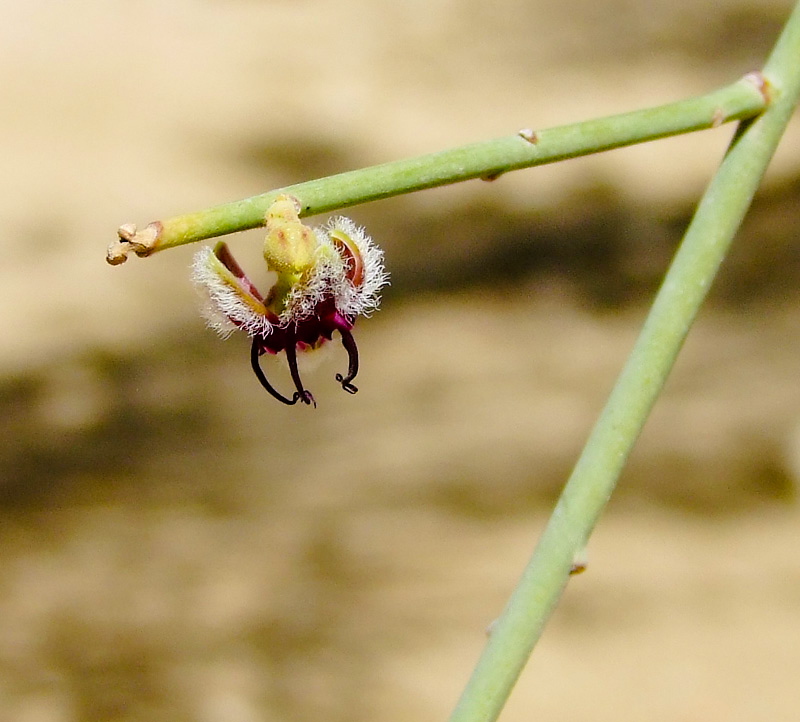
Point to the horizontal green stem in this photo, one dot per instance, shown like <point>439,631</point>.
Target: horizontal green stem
<point>595,475</point>
<point>487,159</point>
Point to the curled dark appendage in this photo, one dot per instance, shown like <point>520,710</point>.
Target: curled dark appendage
<point>305,396</point>
<point>291,356</point>
<point>349,344</point>
<point>263,379</point>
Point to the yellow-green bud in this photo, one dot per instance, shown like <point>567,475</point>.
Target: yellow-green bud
<point>290,247</point>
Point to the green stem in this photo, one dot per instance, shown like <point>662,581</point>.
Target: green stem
<point>487,159</point>
<point>595,475</point>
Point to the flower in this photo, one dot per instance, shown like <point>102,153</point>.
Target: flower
<point>326,278</point>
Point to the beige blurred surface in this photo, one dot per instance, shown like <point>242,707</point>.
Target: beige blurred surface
<point>177,546</point>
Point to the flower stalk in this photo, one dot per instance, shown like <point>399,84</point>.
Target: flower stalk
<point>488,160</point>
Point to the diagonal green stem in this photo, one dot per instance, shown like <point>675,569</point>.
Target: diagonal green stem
<point>685,286</point>
<point>487,159</point>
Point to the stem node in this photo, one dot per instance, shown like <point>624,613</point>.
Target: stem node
<point>756,77</point>
<point>528,134</point>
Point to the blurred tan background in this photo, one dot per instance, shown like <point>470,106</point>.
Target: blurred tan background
<point>176,545</point>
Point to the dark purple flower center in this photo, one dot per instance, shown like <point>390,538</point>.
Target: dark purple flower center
<point>310,332</point>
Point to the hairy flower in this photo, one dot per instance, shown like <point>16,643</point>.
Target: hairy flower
<point>326,278</point>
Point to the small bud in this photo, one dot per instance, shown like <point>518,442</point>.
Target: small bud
<point>290,246</point>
